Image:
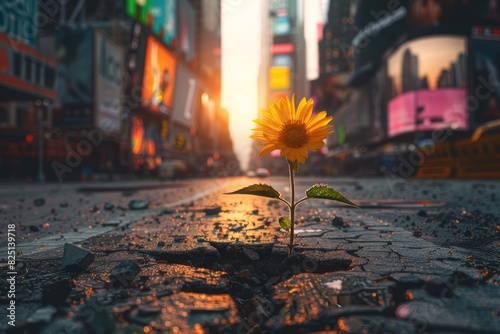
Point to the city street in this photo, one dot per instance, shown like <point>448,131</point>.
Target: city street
<point>419,256</point>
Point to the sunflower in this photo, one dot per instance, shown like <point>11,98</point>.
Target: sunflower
<point>293,131</point>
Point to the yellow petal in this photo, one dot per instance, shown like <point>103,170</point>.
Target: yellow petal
<point>267,149</point>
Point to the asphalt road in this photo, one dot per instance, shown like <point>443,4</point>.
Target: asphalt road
<point>445,212</point>
<point>419,256</point>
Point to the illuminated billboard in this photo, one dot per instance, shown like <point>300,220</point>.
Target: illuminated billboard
<point>281,25</point>
<point>380,23</point>
<point>428,84</point>
<point>159,78</point>
<point>485,81</point>
<point>159,15</point>
<point>279,77</point>
<point>282,60</point>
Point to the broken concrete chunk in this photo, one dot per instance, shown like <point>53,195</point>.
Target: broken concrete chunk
<point>76,258</point>
<point>252,255</point>
<point>124,273</point>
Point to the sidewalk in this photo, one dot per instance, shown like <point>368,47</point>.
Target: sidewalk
<point>198,271</point>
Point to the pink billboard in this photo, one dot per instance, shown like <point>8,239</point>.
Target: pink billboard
<point>438,109</point>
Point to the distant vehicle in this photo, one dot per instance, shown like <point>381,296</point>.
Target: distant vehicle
<point>262,172</point>
<point>172,168</point>
<point>250,173</point>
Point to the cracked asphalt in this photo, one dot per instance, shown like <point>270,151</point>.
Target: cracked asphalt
<point>420,256</point>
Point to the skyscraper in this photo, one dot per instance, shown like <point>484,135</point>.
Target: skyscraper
<point>335,51</point>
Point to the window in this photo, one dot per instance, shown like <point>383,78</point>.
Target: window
<point>38,70</point>
<point>17,64</point>
<point>4,115</point>
<point>49,77</point>
<point>28,64</point>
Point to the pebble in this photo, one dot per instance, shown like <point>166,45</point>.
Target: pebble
<point>39,202</point>
<point>137,204</point>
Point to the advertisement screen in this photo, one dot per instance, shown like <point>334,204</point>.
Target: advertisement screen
<point>281,25</point>
<point>381,23</point>
<point>279,77</point>
<point>108,100</point>
<point>18,20</point>
<point>159,15</point>
<point>485,81</point>
<point>159,78</point>
<point>186,29</point>
<point>427,79</point>
<point>282,60</point>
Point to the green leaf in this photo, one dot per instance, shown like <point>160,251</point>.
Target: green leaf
<point>285,223</point>
<point>260,189</point>
<point>324,192</point>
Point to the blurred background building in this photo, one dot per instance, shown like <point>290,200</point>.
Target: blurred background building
<point>424,77</point>
<point>283,64</point>
<point>92,89</point>
<point>409,84</point>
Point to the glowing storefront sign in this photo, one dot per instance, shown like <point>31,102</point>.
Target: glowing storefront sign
<point>159,78</point>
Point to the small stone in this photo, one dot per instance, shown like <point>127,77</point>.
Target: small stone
<point>124,273</point>
<point>111,223</point>
<point>179,238</point>
<point>161,243</point>
<point>65,325</point>
<point>212,211</point>
<point>252,255</point>
<point>255,212</point>
<point>43,314</point>
<point>94,209</point>
<point>39,201</point>
<point>76,258</point>
<point>137,204</point>
<point>108,206</point>
<point>338,221</point>
<point>34,228</point>
<point>422,213</point>
<point>245,273</point>
<point>145,310</point>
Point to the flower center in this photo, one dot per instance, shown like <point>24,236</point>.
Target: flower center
<point>294,134</point>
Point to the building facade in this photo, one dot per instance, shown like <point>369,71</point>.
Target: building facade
<point>142,77</point>
<point>417,68</point>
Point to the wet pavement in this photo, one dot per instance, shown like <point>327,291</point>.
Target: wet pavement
<point>182,257</point>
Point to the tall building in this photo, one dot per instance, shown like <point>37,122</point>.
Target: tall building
<point>143,77</point>
<point>283,63</point>
<point>336,53</point>
<point>410,72</point>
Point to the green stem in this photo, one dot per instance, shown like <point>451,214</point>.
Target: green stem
<point>292,207</point>
<point>301,200</point>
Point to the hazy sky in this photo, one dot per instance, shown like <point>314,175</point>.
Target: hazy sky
<point>241,29</point>
<point>241,52</point>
